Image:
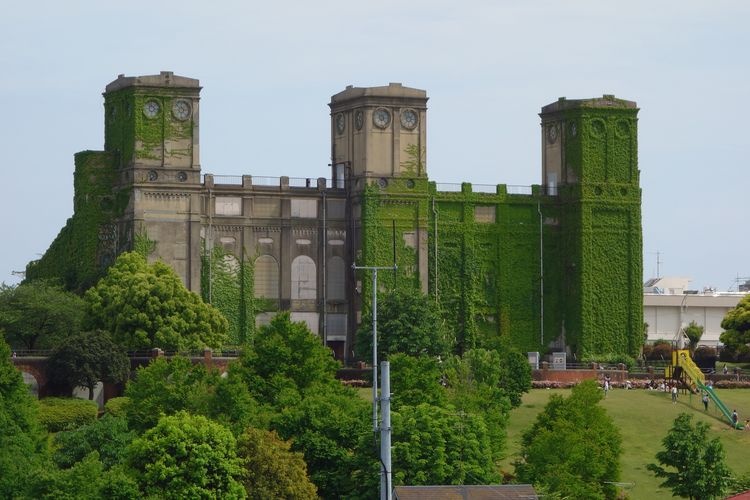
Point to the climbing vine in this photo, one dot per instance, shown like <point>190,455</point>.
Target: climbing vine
<point>227,284</point>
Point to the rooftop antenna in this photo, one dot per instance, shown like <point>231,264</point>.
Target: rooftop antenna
<point>658,263</point>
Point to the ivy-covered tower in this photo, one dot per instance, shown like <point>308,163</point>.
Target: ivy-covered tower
<point>151,132</point>
<point>590,162</point>
<point>378,145</point>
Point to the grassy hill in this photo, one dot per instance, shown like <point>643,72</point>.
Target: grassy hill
<point>644,417</point>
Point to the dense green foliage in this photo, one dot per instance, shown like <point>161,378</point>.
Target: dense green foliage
<point>289,371</point>
<point>85,480</point>
<point>573,447</point>
<point>736,324</point>
<point>187,456</point>
<point>508,370</point>
<point>37,314</point>
<point>416,380</point>
<point>116,406</point>
<point>86,359</point>
<point>285,357</point>
<point>166,387</point>
<point>61,414</point>
<point>21,438</point>
<point>692,465</point>
<point>146,305</point>
<point>108,436</point>
<point>271,470</point>
<point>436,445</point>
<point>327,426</point>
<point>409,323</point>
<point>694,332</point>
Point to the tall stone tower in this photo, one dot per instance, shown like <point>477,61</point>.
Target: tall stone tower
<point>378,148</point>
<point>589,159</point>
<point>151,130</point>
<point>378,133</point>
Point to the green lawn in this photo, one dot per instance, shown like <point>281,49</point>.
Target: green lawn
<point>644,417</point>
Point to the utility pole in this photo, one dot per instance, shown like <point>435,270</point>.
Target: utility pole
<point>385,436</point>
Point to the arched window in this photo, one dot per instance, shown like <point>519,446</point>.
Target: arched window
<point>266,277</point>
<point>304,284</point>
<point>335,287</point>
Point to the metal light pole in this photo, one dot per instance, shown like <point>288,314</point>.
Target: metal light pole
<point>385,437</point>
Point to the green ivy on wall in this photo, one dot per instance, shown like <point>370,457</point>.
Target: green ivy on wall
<point>88,243</point>
<point>227,284</point>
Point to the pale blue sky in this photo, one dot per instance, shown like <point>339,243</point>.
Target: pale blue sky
<point>268,70</point>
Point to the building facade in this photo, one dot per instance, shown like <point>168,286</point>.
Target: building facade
<point>556,265</point>
<point>669,306</point>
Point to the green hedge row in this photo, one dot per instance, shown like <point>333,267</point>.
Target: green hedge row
<point>63,414</point>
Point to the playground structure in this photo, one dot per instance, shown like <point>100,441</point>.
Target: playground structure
<point>683,369</point>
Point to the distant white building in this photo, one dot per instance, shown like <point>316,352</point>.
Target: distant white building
<point>669,306</point>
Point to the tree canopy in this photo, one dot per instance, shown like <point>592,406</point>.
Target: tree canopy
<point>22,443</point>
<point>187,456</point>
<point>692,465</point>
<point>409,322</point>
<point>286,356</point>
<point>271,470</point>
<point>36,314</point>
<point>166,387</point>
<point>736,324</point>
<point>573,448</point>
<point>86,359</point>
<point>146,305</point>
<point>694,332</point>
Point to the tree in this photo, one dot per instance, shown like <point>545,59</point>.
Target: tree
<point>434,445</point>
<point>508,370</point>
<point>86,359</point>
<point>327,426</point>
<point>86,479</point>
<point>692,465</point>
<point>36,314</point>
<point>187,456</point>
<point>573,448</point>
<point>736,324</point>
<point>408,322</point>
<point>166,387</point>
<point>22,442</point>
<point>694,332</point>
<point>146,305</point>
<point>108,436</point>
<point>286,356</point>
<point>416,380</point>
<point>271,470</point>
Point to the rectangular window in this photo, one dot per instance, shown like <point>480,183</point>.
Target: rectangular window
<point>228,205</point>
<point>305,208</point>
<point>484,213</point>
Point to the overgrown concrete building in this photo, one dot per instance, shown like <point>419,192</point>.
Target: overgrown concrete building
<point>557,265</point>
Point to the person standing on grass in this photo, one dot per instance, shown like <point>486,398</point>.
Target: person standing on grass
<point>606,386</point>
<point>704,398</point>
<point>674,394</point>
<point>735,418</point>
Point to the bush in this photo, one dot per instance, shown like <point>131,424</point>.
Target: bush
<point>660,351</point>
<point>64,414</point>
<point>116,406</point>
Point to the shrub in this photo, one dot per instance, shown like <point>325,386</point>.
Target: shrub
<point>63,414</point>
<point>660,351</point>
<point>116,406</point>
<point>704,352</point>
